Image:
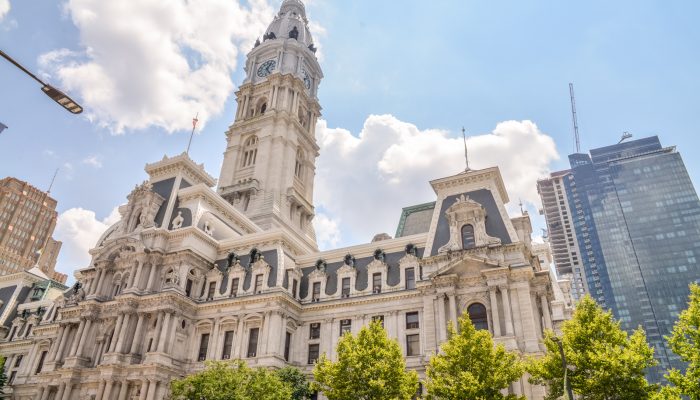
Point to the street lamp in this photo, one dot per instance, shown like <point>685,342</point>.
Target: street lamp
<point>56,95</point>
<point>567,384</point>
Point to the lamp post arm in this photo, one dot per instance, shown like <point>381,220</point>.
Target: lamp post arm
<point>18,65</point>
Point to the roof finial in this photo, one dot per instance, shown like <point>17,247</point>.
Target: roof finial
<point>194,125</point>
<point>466,153</point>
<point>52,181</point>
<point>522,211</point>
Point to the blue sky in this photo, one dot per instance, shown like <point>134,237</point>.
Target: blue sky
<point>408,73</point>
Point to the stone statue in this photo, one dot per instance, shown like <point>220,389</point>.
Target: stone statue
<point>379,255</point>
<point>349,260</point>
<point>177,222</point>
<point>254,256</point>
<point>294,33</point>
<point>321,264</point>
<point>412,249</point>
<point>257,43</point>
<point>312,48</point>
<point>209,230</point>
<point>231,260</point>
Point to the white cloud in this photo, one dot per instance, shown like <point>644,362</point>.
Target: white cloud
<point>155,62</point>
<point>327,231</point>
<point>4,8</point>
<point>93,161</point>
<point>365,180</point>
<point>79,230</point>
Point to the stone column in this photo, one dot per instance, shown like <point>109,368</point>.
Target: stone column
<point>108,389</point>
<point>546,312</point>
<point>215,340</point>
<point>96,282</point>
<point>132,275</point>
<point>66,392</point>
<point>56,343</point>
<point>61,389</point>
<point>83,337</point>
<point>453,310</point>
<point>238,339</point>
<point>275,331</point>
<point>124,388</point>
<point>100,283</point>
<point>40,393</point>
<point>138,335</point>
<point>137,277</point>
<point>264,334</point>
<point>123,333</point>
<point>76,339</point>
<point>151,278</point>
<point>45,394</point>
<point>506,310</point>
<point>164,333</point>
<point>156,334</point>
<point>100,390</point>
<point>64,339</point>
<point>328,337</point>
<point>495,318</point>
<point>152,386</point>
<point>442,331</point>
<point>115,336</point>
<point>144,390</point>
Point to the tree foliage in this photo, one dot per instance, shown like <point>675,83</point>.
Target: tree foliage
<point>296,380</point>
<point>685,341</point>
<point>370,366</point>
<point>604,362</point>
<point>3,377</point>
<point>470,367</point>
<point>231,380</point>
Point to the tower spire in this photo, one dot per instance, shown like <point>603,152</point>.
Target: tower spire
<point>466,152</point>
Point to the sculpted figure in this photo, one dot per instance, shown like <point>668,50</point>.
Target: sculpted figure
<point>177,222</point>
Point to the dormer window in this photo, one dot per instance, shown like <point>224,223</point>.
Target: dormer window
<point>468,239</point>
<point>250,151</point>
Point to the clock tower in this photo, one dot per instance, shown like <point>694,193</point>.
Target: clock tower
<point>269,163</point>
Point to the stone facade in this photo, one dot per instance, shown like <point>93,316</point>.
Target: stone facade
<point>192,274</point>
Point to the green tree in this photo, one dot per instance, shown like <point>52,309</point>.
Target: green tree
<point>370,366</point>
<point>470,367</point>
<point>231,380</point>
<point>685,341</point>
<point>3,377</point>
<point>301,389</point>
<point>604,362</point>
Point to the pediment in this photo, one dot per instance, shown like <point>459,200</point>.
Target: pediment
<point>466,266</point>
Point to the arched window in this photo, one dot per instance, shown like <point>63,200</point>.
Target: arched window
<point>261,107</point>
<point>250,151</point>
<point>477,314</point>
<point>468,240</point>
<point>299,167</point>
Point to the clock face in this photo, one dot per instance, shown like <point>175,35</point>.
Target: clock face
<point>307,79</point>
<point>266,68</point>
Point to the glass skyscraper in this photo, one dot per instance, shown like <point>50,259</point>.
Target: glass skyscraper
<point>636,216</point>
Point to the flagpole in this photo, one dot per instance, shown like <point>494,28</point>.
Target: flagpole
<point>194,125</point>
<point>466,153</point>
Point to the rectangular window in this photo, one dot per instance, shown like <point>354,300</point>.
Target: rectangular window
<point>313,353</point>
<point>316,294</point>
<point>42,358</point>
<point>345,326</point>
<point>287,345</point>
<point>315,330</point>
<point>18,360</point>
<point>412,320</point>
<point>12,377</point>
<point>410,278</point>
<point>234,286</point>
<point>203,347</point>
<point>188,287</point>
<point>346,287</point>
<point>212,287</point>
<point>294,288</point>
<point>253,342</point>
<point>377,282</point>
<point>228,345</point>
<point>412,345</point>
<point>258,283</point>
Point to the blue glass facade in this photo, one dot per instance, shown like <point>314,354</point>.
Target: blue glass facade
<point>637,222</point>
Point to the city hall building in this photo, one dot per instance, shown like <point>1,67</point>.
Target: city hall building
<point>203,270</point>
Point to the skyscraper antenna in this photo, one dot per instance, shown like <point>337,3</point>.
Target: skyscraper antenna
<point>466,153</point>
<point>52,181</point>
<point>194,125</point>
<point>577,143</point>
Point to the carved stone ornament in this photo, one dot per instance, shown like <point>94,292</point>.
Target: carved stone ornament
<point>142,208</point>
<point>177,222</point>
<point>466,211</point>
<point>260,266</point>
